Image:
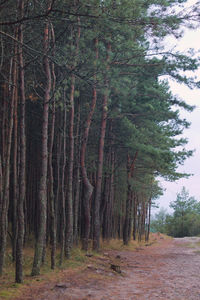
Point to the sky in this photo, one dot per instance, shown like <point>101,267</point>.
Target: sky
<point>190,39</point>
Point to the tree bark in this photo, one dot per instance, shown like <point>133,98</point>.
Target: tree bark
<point>77,179</point>
<point>22,168</point>
<point>42,197</point>
<point>134,216</point>
<point>97,198</point>
<point>69,202</point>
<point>4,202</point>
<point>15,163</point>
<point>149,220</point>
<point>127,223</point>
<point>87,186</point>
<point>51,175</point>
<point>63,209</point>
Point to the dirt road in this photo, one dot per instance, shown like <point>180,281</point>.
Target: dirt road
<point>170,269</point>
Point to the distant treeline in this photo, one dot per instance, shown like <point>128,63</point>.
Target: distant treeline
<point>185,220</point>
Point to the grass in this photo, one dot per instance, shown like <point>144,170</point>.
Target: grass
<point>116,244</point>
<point>9,289</point>
<point>78,261</point>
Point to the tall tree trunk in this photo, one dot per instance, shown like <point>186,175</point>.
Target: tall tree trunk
<point>63,214</point>
<point>58,170</point>
<point>149,220</point>
<point>111,195</point>
<point>22,168</point>
<point>134,216</point>
<point>77,179</point>
<point>40,241</point>
<point>1,181</point>
<point>97,198</point>
<point>4,202</point>
<point>15,164</point>
<point>69,202</point>
<point>128,202</point>
<point>51,175</point>
<point>128,221</point>
<point>87,186</point>
<point>106,210</point>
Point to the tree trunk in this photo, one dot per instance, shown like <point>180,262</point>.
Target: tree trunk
<point>51,175</point>
<point>134,216</point>
<point>15,162</point>
<point>128,221</point>
<point>4,202</point>
<point>63,213</point>
<point>87,186</point>
<point>40,241</point>
<point>77,179</point>
<point>106,210</point>
<point>128,203</point>
<point>22,168</point>
<point>149,220</point>
<point>97,197</point>
<point>69,203</point>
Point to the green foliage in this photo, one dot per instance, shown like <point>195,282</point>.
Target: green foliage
<point>158,223</point>
<point>185,220</point>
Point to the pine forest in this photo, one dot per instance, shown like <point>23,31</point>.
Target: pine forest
<point>87,121</point>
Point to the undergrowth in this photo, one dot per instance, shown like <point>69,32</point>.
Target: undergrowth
<point>10,290</point>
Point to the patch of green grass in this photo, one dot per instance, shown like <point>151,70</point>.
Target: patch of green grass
<point>10,292</point>
<point>6,294</point>
<point>79,255</point>
<point>77,259</point>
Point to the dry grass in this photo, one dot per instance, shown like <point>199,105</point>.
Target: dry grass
<point>116,244</point>
<point>8,287</point>
<point>78,261</point>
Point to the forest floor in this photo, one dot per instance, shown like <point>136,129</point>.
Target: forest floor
<point>167,269</point>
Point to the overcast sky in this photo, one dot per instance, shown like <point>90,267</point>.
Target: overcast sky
<point>191,39</point>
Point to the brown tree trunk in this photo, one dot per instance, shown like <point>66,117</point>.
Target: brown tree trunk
<point>63,214</point>
<point>58,172</point>
<point>128,202</point>
<point>77,179</point>
<point>106,210</point>
<point>134,216</point>
<point>87,186</point>
<point>111,197</point>
<point>149,220</point>
<point>69,202</point>
<point>128,221</point>
<point>40,241</point>
<point>4,201</point>
<point>15,166</point>
<point>1,181</point>
<point>51,175</point>
<point>97,198</point>
<point>22,167</point>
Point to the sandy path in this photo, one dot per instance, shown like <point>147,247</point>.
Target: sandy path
<point>167,270</point>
